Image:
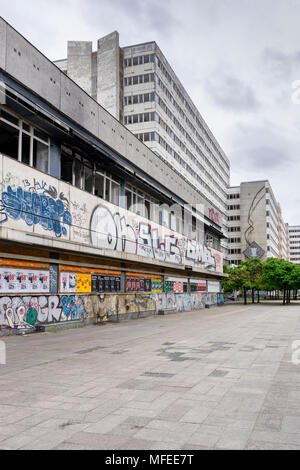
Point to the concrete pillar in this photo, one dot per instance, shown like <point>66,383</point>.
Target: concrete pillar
<point>80,63</point>
<point>108,73</point>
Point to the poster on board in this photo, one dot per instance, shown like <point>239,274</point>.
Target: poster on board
<point>21,281</point>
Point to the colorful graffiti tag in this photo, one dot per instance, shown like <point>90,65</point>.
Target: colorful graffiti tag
<point>36,208</point>
<point>28,311</point>
<point>111,231</point>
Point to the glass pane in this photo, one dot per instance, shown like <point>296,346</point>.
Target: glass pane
<point>107,189</point>
<point>66,168</point>
<point>128,196</point>
<point>9,140</point>
<point>77,173</point>
<point>40,156</point>
<point>88,179</point>
<point>25,157</point>
<point>99,185</point>
<point>26,127</point>
<point>115,193</point>
<point>9,117</point>
<point>41,135</point>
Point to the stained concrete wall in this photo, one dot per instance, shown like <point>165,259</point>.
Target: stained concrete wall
<point>80,63</point>
<point>108,73</point>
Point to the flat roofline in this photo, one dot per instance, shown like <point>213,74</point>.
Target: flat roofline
<point>140,44</point>
<point>256,181</point>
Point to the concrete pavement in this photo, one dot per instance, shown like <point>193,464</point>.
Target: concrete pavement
<point>218,378</point>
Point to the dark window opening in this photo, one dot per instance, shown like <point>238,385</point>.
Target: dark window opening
<point>9,140</point>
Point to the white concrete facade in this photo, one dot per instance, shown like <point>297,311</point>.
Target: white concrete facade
<point>294,240</point>
<point>254,217</point>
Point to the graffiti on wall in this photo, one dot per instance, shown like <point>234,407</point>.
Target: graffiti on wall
<point>28,311</point>
<point>111,231</point>
<point>43,203</point>
<point>36,203</point>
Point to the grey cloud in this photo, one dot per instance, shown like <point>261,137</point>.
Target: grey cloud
<point>231,94</point>
<point>265,158</point>
<point>134,16</point>
<point>263,148</point>
<point>276,63</point>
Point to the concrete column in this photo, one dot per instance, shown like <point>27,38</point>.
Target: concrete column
<point>80,63</point>
<point>108,73</point>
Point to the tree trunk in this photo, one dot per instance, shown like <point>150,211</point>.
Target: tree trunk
<point>283,301</point>
<point>252,295</point>
<point>245,296</point>
<point>258,296</point>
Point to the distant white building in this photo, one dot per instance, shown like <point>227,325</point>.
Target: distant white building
<point>255,224</point>
<point>294,239</point>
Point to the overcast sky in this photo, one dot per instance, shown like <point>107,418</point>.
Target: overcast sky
<point>237,59</point>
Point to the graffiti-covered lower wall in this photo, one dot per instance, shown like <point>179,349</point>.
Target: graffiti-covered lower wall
<point>29,311</point>
<point>36,206</point>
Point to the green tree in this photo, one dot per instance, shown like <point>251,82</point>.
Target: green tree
<point>279,274</point>
<point>254,267</point>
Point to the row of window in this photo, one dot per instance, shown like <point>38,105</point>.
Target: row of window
<point>23,142</point>
<point>139,118</point>
<point>141,98</point>
<point>185,165</point>
<point>234,240</point>
<point>139,79</point>
<point>139,60</point>
<point>147,136</point>
<point>233,207</point>
<point>189,108</point>
<point>233,217</point>
<point>234,251</point>
<point>233,229</point>
<point>143,59</point>
<point>190,140</point>
<point>199,124</point>
<point>180,144</point>
<point>233,196</point>
<point>80,172</point>
<point>154,136</point>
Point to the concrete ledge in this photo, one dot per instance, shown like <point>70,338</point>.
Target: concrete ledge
<point>54,327</point>
<point>130,316</point>
<point>16,331</point>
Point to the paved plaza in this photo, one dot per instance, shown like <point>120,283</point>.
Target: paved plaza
<point>218,378</point>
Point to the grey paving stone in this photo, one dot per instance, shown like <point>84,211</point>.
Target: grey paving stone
<point>153,400</point>
<point>96,441</point>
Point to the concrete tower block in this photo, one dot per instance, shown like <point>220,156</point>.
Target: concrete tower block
<point>108,73</point>
<point>80,63</point>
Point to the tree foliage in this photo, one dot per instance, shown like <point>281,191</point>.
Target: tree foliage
<point>271,275</point>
